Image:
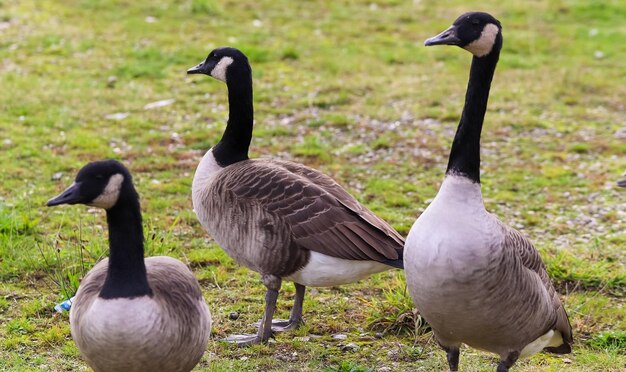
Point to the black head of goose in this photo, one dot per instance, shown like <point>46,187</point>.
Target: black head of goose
<point>281,219</point>
<point>474,279</point>
<point>129,313</point>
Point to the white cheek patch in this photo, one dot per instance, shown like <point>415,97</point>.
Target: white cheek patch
<point>483,45</point>
<point>111,193</point>
<point>219,71</point>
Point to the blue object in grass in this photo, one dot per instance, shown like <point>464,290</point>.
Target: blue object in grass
<point>64,306</point>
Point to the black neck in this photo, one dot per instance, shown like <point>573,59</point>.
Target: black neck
<point>126,275</point>
<point>233,147</point>
<point>465,153</point>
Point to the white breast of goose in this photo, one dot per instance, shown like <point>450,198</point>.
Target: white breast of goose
<point>453,229</point>
<point>130,329</point>
<point>451,246</point>
<point>206,172</point>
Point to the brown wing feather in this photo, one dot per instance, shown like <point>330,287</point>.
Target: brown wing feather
<point>174,283</point>
<point>530,259</point>
<point>329,185</point>
<point>321,215</point>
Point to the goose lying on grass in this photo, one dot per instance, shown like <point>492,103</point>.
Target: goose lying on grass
<point>131,313</point>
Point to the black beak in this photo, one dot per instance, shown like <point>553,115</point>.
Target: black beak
<point>448,37</point>
<point>621,183</point>
<point>205,67</point>
<point>199,69</point>
<point>71,195</point>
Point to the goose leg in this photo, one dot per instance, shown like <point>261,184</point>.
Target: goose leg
<point>265,329</point>
<point>295,317</point>
<point>453,357</point>
<point>508,362</point>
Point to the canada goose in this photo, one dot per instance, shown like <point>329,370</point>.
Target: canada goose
<point>132,314</point>
<point>281,219</point>
<point>474,279</point>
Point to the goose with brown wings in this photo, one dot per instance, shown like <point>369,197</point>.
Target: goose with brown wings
<point>474,279</point>
<point>284,220</point>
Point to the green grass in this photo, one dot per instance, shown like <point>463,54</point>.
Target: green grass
<point>346,87</point>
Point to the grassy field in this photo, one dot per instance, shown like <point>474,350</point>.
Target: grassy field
<point>346,87</point>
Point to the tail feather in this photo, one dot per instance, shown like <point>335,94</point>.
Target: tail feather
<point>564,348</point>
<point>398,263</point>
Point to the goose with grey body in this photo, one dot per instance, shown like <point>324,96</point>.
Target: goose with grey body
<point>281,219</point>
<point>131,313</point>
<point>474,279</point>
